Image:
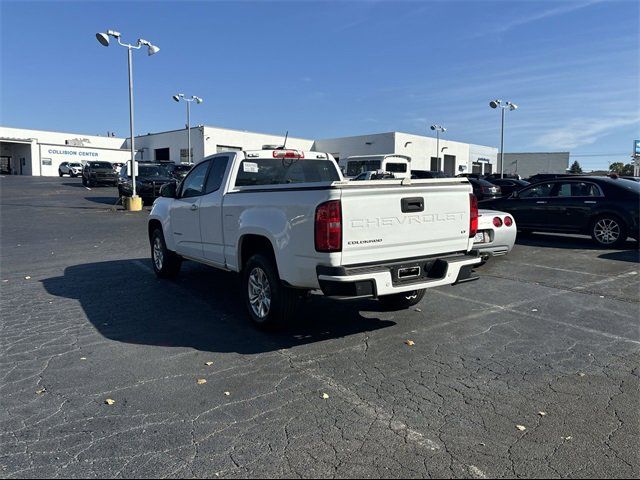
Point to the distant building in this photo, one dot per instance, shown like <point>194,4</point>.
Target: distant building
<point>527,164</point>
<point>39,152</point>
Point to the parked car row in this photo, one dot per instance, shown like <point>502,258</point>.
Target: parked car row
<point>603,207</point>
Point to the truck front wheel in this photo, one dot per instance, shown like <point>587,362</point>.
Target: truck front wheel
<point>166,264</point>
<point>398,301</point>
<point>269,303</point>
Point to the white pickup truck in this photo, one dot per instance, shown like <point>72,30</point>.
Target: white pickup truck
<point>289,223</point>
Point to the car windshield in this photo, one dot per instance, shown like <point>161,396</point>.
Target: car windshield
<point>100,165</point>
<point>75,165</point>
<point>152,170</point>
<point>360,166</point>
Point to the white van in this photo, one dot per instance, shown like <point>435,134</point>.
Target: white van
<point>399,165</point>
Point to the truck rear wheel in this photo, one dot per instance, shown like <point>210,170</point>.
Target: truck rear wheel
<point>270,304</point>
<point>398,301</point>
<point>166,264</point>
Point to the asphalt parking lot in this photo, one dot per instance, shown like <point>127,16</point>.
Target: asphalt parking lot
<point>548,339</point>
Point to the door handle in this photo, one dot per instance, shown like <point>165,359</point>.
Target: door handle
<point>541,201</point>
<point>589,201</point>
<point>194,207</point>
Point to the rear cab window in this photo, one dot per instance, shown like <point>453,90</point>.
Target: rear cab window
<point>285,171</point>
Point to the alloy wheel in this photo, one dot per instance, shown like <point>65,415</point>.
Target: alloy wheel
<point>606,231</point>
<point>259,292</point>
<point>158,253</point>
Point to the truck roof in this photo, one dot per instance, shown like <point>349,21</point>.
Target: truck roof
<point>286,153</point>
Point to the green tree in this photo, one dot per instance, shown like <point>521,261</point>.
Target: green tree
<point>621,169</point>
<point>616,167</point>
<point>575,167</point>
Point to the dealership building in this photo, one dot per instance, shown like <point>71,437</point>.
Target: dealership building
<point>39,152</point>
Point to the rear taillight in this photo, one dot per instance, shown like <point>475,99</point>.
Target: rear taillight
<point>508,221</point>
<point>328,227</point>
<point>497,222</point>
<point>473,217</point>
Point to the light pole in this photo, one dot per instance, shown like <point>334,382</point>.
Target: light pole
<point>511,107</point>
<point>438,129</point>
<point>177,98</point>
<point>103,38</point>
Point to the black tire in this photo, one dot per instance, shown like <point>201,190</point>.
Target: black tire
<point>609,230</point>
<point>261,276</point>
<point>399,301</point>
<point>60,173</point>
<point>166,264</point>
<point>92,183</point>
<point>120,192</point>
<point>84,181</point>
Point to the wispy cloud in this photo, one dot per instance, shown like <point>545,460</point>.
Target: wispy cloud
<point>536,16</point>
<point>580,132</point>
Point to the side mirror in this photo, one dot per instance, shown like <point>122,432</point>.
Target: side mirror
<point>169,190</point>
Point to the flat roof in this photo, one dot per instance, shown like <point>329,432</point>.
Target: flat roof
<point>227,129</point>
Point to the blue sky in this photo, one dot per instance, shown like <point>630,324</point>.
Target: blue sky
<point>324,69</point>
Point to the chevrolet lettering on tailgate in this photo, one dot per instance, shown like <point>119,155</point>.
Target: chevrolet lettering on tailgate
<point>406,220</point>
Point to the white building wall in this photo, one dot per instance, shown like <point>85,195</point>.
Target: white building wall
<point>341,148</point>
<point>207,141</point>
<point>40,152</point>
<point>480,153</point>
<point>174,140</point>
<point>239,139</point>
<point>421,149</point>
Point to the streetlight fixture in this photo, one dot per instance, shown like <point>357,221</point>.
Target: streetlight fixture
<point>177,98</point>
<point>438,129</point>
<point>103,38</point>
<point>507,105</point>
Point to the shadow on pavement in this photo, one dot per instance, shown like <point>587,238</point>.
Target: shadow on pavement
<point>202,309</point>
<point>632,256</point>
<point>572,242</point>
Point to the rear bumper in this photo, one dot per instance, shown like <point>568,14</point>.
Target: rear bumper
<point>382,279</point>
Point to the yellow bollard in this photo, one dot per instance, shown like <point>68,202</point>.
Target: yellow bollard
<point>133,204</point>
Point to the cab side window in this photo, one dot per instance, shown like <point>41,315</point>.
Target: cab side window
<point>216,174</point>
<point>578,189</point>
<point>537,191</point>
<point>193,184</point>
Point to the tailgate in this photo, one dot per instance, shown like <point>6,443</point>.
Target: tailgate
<point>388,221</point>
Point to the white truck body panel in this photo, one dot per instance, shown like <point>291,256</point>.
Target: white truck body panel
<point>373,221</point>
<point>212,227</point>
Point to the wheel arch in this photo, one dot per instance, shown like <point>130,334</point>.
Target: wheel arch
<point>250,244</point>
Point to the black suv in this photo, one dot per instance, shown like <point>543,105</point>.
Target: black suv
<point>96,173</point>
<point>149,180</point>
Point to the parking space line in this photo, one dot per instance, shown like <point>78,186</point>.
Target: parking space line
<point>509,308</point>
<point>558,269</point>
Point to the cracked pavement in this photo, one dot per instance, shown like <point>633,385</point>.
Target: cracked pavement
<point>553,327</point>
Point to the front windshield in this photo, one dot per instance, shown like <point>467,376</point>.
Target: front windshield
<point>75,165</point>
<point>100,165</point>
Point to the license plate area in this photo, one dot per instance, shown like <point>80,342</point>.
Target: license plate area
<point>482,237</point>
<point>417,272</point>
<point>409,272</point>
